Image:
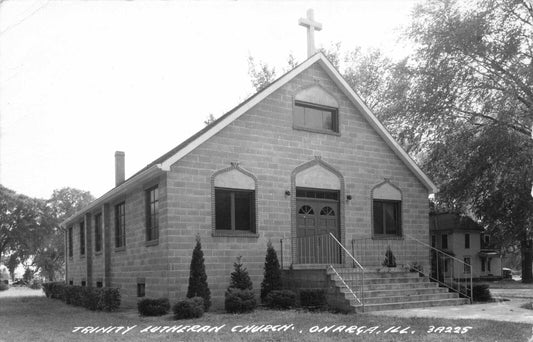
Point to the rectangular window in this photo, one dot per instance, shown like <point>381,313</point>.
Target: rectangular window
<point>387,217</point>
<point>152,214</point>
<point>120,225</point>
<point>83,283</point>
<point>316,118</point>
<point>235,210</point>
<point>467,241</point>
<point>141,290</point>
<point>82,238</point>
<point>99,284</point>
<point>482,264</point>
<point>488,264</point>
<point>446,263</point>
<point>71,282</point>
<point>433,241</point>
<point>467,265</point>
<point>98,232</point>
<point>444,241</point>
<point>70,244</point>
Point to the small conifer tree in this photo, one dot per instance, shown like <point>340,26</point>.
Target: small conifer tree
<point>198,286</point>
<point>240,279</point>
<point>272,275</point>
<point>390,259</point>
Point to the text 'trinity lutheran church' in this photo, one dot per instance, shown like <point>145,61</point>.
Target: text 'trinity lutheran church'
<point>301,159</point>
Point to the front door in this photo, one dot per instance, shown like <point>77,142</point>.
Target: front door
<point>317,213</point>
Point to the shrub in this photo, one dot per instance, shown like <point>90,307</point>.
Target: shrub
<point>110,299</point>
<point>189,308</point>
<point>3,286</point>
<point>272,274</point>
<point>480,292</point>
<point>153,307</point>
<point>239,277</point>
<point>35,284</point>
<point>106,298</point>
<point>313,299</point>
<point>390,259</point>
<point>239,301</point>
<point>198,278</point>
<point>284,299</point>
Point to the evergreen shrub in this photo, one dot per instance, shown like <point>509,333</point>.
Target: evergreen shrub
<point>313,299</point>
<point>280,299</point>
<point>153,307</point>
<point>198,286</point>
<point>189,308</point>
<point>239,300</point>
<point>272,273</point>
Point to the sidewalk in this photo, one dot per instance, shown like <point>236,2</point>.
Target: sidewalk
<point>508,311</point>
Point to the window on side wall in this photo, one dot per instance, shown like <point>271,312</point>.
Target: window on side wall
<point>467,241</point>
<point>467,265</point>
<point>152,214</point>
<point>98,232</point>
<point>70,244</point>
<point>82,238</point>
<point>120,225</point>
<point>234,210</point>
<point>444,241</point>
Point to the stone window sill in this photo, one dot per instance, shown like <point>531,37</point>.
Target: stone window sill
<point>120,249</point>
<point>152,243</point>
<point>232,233</point>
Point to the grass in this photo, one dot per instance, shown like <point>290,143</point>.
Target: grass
<point>507,284</point>
<point>26,318</point>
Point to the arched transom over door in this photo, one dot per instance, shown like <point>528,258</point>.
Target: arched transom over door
<point>317,216</point>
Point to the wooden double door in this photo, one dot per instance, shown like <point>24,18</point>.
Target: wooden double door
<point>317,214</point>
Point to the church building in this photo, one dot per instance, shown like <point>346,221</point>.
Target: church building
<point>303,158</point>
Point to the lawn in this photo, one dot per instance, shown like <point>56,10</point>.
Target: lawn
<point>37,318</point>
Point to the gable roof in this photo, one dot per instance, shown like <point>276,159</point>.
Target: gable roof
<point>453,222</point>
<point>165,161</point>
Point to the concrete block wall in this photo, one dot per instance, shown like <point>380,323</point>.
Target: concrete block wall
<point>76,263</point>
<point>265,144</point>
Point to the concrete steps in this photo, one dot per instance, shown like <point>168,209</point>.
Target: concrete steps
<point>391,290</point>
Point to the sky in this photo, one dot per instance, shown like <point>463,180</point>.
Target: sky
<point>80,80</point>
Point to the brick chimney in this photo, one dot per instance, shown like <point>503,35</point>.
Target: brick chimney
<point>119,168</point>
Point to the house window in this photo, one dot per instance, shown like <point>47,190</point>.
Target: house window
<point>152,214</point>
<point>467,241</point>
<point>99,284</point>
<point>444,241</point>
<point>83,283</point>
<point>433,241</point>
<point>482,264</point>
<point>120,225</point>
<point>315,117</point>
<point>387,217</point>
<point>71,282</point>
<point>70,252</point>
<point>98,232</point>
<point>235,210</point>
<point>488,264</point>
<point>82,238</point>
<point>467,265</point>
<point>141,289</point>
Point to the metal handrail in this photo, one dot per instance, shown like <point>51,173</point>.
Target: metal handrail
<point>438,251</point>
<point>355,262</point>
<point>346,285</point>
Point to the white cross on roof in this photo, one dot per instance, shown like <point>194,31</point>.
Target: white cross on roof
<point>311,25</point>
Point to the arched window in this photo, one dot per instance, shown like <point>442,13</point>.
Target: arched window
<point>316,110</point>
<point>234,202</point>
<point>386,210</point>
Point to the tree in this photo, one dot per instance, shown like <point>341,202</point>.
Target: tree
<point>470,109</point>
<point>272,274</point>
<point>198,286</point>
<point>240,279</point>
<point>12,263</point>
